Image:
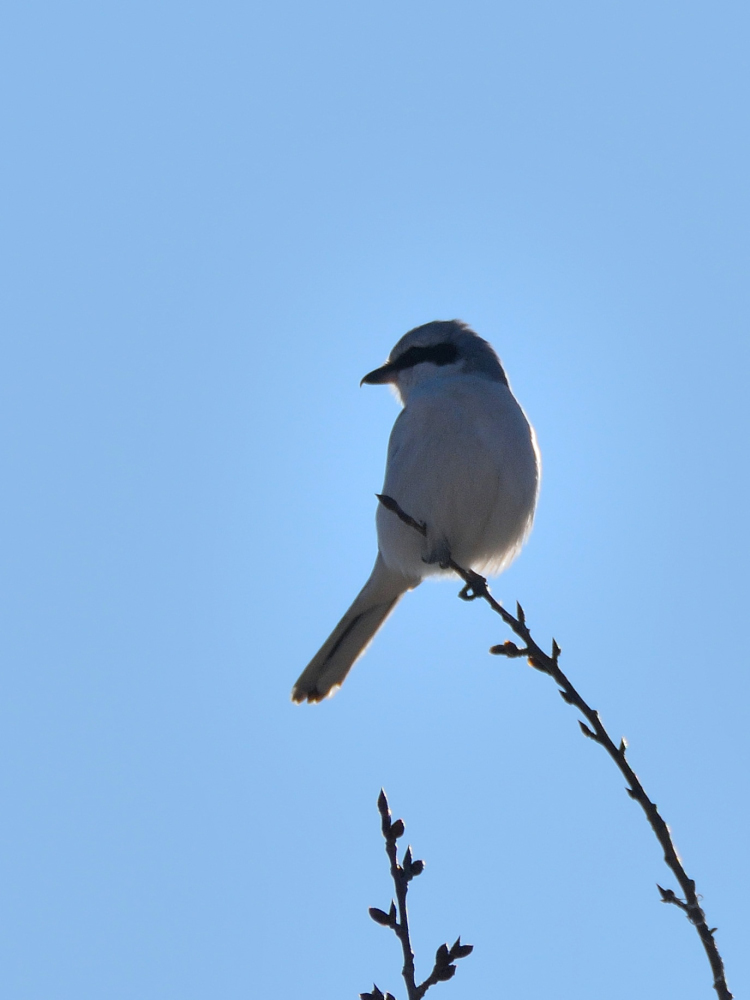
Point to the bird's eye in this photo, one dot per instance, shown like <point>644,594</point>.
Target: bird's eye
<point>438,354</point>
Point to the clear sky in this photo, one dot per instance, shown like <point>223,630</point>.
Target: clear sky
<point>217,217</point>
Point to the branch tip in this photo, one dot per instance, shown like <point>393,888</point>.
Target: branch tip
<point>509,649</point>
<point>381,917</point>
<point>383,804</point>
<point>376,995</point>
<point>397,917</point>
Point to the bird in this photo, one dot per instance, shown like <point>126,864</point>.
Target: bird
<point>462,460</point>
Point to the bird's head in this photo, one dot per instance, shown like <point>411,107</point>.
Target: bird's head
<point>437,350</point>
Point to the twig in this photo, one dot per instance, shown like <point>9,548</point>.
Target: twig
<point>397,918</point>
<point>476,587</point>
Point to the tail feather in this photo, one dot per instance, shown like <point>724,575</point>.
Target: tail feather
<point>353,634</point>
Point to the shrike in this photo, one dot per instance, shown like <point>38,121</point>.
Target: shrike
<point>462,459</point>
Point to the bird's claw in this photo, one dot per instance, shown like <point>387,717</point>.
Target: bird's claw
<point>475,586</point>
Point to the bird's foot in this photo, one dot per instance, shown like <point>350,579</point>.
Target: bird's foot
<point>439,555</point>
<point>475,586</point>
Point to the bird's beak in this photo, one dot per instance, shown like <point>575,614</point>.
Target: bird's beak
<point>387,373</point>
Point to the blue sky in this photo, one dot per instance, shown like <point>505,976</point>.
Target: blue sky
<point>216,219</point>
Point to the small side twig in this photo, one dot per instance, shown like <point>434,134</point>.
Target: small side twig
<point>476,587</point>
<point>397,917</point>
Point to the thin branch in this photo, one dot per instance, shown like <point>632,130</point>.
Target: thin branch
<point>397,917</point>
<point>476,587</point>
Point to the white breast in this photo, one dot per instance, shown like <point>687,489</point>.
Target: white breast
<point>462,458</point>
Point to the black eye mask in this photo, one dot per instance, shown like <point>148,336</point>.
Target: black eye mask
<point>438,354</point>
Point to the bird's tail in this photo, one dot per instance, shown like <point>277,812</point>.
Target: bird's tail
<point>353,634</point>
